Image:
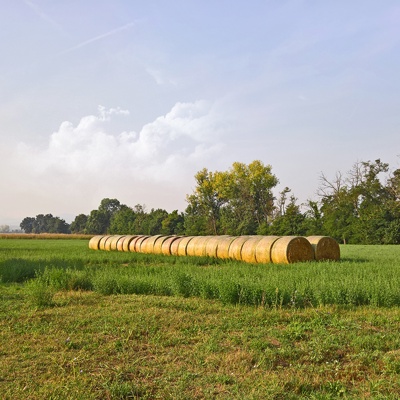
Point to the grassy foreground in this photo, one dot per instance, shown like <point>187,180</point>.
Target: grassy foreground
<point>58,341</point>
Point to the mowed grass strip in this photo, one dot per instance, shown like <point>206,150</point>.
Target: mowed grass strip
<point>91,346</point>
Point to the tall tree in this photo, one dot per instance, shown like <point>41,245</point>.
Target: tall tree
<point>237,201</point>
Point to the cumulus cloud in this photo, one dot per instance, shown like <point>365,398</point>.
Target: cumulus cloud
<point>88,158</point>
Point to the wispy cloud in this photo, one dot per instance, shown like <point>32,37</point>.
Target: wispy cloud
<point>99,37</point>
<point>41,14</point>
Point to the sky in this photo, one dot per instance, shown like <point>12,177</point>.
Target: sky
<point>128,99</point>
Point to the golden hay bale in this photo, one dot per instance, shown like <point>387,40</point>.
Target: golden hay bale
<point>248,253</point>
<point>148,245</point>
<point>263,249</point>
<point>224,243</point>
<point>112,244</point>
<point>196,247</point>
<point>170,246</point>
<point>94,242</point>
<point>103,242</point>
<point>126,242</point>
<point>120,241</point>
<point>235,249</point>
<point>182,245</point>
<point>291,249</point>
<point>157,248</point>
<point>134,245</point>
<point>212,245</point>
<point>201,248</point>
<point>141,244</point>
<point>108,243</point>
<point>325,248</point>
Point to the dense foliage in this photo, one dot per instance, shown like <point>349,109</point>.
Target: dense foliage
<point>362,206</point>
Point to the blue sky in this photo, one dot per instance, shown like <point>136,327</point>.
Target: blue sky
<point>129,99</point>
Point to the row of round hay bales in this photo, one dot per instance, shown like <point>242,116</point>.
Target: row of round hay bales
<point>251,249</point>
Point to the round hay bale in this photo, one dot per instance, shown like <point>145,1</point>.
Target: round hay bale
<point>325,248</point>
<point>201,247</point>
<point>170,246</point>
<point>248,253</point>
<point>119,243</point>
<point>108,243</point>
<point>141,244</point>
<point>235,249</point>
<point>263,249</point>
<point>224,243</point>
<point>126,241</point>
<point>148,246</point>
<point>196,246</point>
<point>182,245</point>
<point>291,249</point>
<point>112,244</point>
<point>103,241</point>
<point>94,242</point>
<point>134,245</point>
<point>157,248</point>
<point>212,246</point>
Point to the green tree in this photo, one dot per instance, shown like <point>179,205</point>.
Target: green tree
<point>173,224</point>
<point>292,222</point>
<point>27,224</point>
<point>97,223</point>
<point>122,221</point>
<point>237,201</point>
<point>78,225</point>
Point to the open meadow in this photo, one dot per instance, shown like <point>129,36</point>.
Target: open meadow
<point>82,324</point>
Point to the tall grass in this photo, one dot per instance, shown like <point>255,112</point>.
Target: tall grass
<point>366,275</point>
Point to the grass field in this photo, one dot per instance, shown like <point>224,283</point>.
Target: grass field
<point>81,324</point>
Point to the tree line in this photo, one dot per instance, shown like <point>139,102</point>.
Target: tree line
<point>361,206</point>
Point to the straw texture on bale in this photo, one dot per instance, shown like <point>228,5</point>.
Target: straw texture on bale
<point>325,248</point>
<point>141,244</point>
<point>235,249</point>
<point>248,253</point>
<point>197,246</point>
<point>263,249</point>
<point>182,245</point>
<point>126,241</point>
<point>108,242</point>
<point>112,244</point>
<point>170,246</point>
<point>223,246</point>
<point>212,246</point>
<point>191,246</point>
<point>133,245</point>
<point>157,248</point>
<point>148,245</point>
<point>94,242</point>
<point>291,249</point>
<point>103,241</point>
<point>120,242</point>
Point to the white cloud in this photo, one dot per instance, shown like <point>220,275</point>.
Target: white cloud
<point>86,160</point>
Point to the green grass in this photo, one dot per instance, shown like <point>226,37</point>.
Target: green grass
<point>366,275</point>
<point>81,324</point>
